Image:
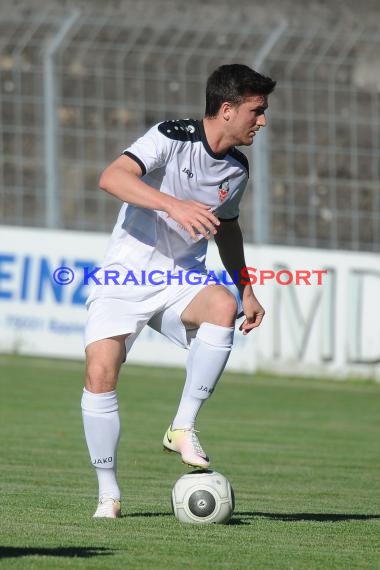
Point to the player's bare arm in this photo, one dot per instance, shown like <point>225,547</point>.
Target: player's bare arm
<point>122,179</point>
<point>229,240</point>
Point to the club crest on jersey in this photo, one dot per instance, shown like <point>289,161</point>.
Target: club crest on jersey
<point>224,188</point>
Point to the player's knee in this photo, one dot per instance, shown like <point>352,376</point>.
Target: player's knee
<point>100,378</point>
<point>230,304</point>
<point>224,308</point>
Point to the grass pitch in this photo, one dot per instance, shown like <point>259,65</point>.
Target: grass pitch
<point>302,456</point>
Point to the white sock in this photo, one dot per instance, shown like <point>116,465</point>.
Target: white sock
<point>207,359</point>
<point>100,413</point>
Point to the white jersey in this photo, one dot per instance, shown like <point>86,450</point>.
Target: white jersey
<point>175,158</point>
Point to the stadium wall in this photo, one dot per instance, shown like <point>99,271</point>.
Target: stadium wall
<point>322,306</point>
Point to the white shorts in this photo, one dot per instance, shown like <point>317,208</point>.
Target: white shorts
<point>159,308</point>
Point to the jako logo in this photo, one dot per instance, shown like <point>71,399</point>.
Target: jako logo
<point>101,461</point>
<point>188,172</point>
<point>205,389</point>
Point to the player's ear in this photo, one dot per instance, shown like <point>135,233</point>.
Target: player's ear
<point>225,110</point>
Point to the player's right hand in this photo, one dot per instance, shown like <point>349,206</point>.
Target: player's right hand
<point>196,218</point>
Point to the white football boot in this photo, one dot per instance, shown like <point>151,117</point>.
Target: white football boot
<point>186,443</point>
<point>108,508</point>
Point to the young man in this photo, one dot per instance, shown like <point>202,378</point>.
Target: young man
<point>180,184</point>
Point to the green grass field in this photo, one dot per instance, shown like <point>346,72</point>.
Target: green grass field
<point>302,456</point>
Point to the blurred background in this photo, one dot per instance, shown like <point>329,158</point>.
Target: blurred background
<point>79,81</point>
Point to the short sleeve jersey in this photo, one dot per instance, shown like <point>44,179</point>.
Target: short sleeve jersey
<point>175,158</point>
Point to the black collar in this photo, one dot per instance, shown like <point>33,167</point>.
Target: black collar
<point>217,156</point>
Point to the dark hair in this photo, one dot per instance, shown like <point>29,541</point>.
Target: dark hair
<point>233,83</point>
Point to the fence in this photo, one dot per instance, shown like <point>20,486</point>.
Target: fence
<point>78,87</point>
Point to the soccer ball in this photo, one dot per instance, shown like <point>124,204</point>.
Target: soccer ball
<point>203,497</point>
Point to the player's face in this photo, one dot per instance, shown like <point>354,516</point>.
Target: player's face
<point>246,119</point>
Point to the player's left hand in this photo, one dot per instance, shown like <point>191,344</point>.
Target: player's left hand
<point>254,313</point>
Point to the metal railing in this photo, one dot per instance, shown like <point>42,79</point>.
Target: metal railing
<point>76,88</point>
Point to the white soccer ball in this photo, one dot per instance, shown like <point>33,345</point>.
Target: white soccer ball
<point>203,497</point>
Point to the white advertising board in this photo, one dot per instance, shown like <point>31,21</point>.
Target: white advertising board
<point>322,306</point>
<point>41,317</point>
<point>331,329</point>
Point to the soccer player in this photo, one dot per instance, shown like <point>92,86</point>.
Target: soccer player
<point>180,184</point>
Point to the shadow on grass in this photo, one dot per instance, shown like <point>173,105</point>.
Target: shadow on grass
<point>246,518</point>
<point>241,517</point>
<point>69,552</point>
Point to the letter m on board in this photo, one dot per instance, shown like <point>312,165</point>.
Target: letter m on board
<point>295,319</point>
